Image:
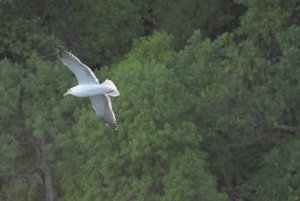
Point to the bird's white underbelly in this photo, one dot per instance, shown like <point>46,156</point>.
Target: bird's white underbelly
<point>89,90</point>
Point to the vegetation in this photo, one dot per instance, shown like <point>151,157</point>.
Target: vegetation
<point>209,106</point>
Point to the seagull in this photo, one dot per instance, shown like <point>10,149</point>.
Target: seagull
<point>88,86</point>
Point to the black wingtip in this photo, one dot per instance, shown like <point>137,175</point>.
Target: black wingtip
<point>61,51</point>
<point>114,125</point>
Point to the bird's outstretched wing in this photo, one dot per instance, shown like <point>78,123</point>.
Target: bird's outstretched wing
<point>82,72</point>
<point>103,108</point>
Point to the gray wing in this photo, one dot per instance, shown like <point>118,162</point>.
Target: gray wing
<point>82,72</point>
<point>103,108</point>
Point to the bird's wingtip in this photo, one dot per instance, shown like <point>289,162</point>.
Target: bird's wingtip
<point>61,51</point>
<point>113,126</point>
<point>60,48</point>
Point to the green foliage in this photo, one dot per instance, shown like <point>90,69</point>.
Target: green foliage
<point>278,179</point>
<point>141,160</point>
<point>181,18</point>
<point>187,171</point>
<point>208,119</point>
<point>113,24</point>
<point>245,92</point>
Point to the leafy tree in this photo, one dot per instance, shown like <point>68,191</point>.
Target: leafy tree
<point>30,127</point>
<point>181,18</point>
<point>278,179</point>
<point>213,118</point>
<point>151,151</point>
<point>244,92</point>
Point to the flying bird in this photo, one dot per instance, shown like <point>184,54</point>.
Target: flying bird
<point>88,86</point>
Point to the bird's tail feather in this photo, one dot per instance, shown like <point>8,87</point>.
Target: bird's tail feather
<point>111,85</point>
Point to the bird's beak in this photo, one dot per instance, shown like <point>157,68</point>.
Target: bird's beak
<point>65,94</point>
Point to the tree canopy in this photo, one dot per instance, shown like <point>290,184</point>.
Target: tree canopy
<point>209,106</point>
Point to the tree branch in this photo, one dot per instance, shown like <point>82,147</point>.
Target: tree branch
<point>285,128</point>
<point>7,175</point>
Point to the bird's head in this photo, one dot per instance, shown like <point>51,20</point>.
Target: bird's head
<point>69,92</point>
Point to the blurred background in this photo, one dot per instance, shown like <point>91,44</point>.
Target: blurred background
<point>209,104</point>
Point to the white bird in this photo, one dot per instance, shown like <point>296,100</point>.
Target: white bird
<point>88,86</point>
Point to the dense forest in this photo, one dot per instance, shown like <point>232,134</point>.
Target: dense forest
<point>209,107</point>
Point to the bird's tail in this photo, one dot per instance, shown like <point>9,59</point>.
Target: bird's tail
<point>111,85</point>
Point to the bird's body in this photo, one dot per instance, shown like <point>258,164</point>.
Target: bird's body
<point>87,90</point>
<point>89,87</point>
